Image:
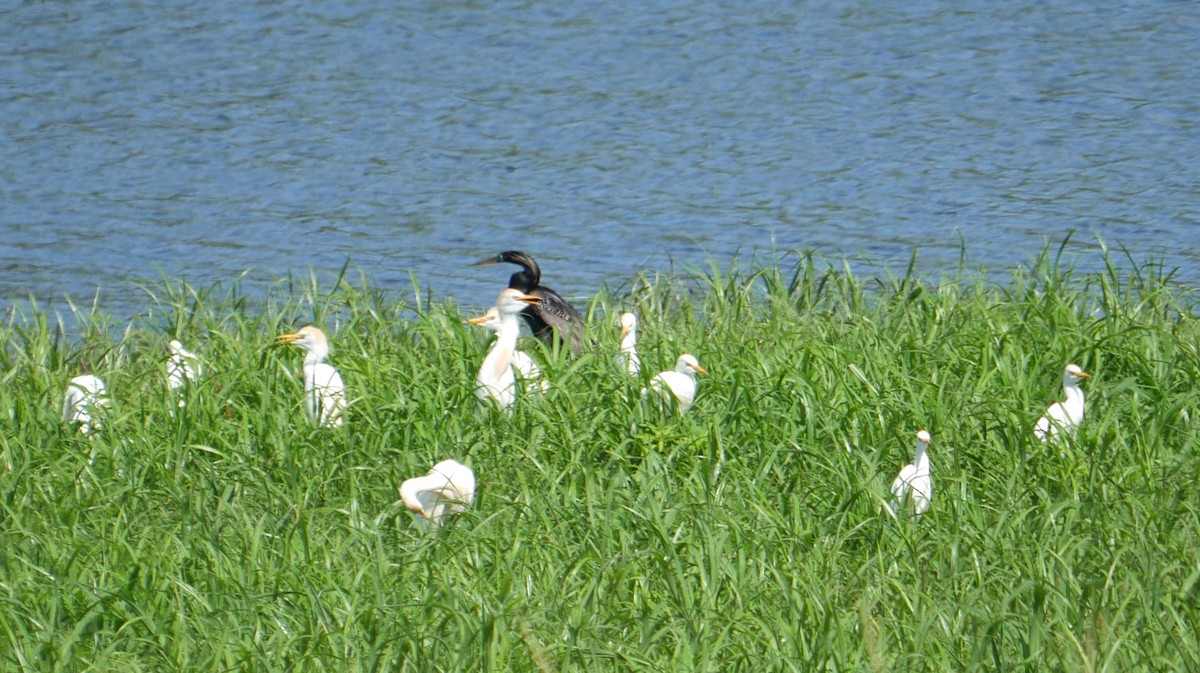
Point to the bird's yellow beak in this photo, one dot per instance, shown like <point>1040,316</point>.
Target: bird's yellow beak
<point>624,330</point>
<point>529,299</point>
<point>1084,375</point>
<point>698,368</point>
<point>288,338</point>
<point>478,321</point>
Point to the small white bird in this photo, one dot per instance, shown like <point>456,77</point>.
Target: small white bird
<point>448,488</point>
<point>182,368</point>
<point>495,381</point>
<point>530,372</point>
<point>627,358</point>
<point>86,396</point>
<point>324,392</point>
<point>1065,415</point>
<point>678,384</point>
<point>913,487</point>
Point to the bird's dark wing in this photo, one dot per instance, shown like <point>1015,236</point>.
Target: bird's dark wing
<point>554,316</point>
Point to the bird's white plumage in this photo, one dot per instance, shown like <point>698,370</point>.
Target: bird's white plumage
<point>913,487</point>
<point>86,395</point>
<point>324,392</point>
<point>1064,416</point>
<point>495,382</point>
<point>678,384</point>
<point>529,370</point>
<point>183,366</point>
<point>627,357</point>
<point>448,488</point>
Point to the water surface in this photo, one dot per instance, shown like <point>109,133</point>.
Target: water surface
<point>201,140</point>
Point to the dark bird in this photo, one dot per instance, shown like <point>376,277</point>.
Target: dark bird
<point>552,316</point>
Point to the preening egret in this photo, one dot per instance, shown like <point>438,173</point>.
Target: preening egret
<point>495,380</point>
<point>913,487</point>
<point>552,316</point>
<point>86,396</point>
<point>448,488</point>
<point>627,358</point>
<point>678,384</point>
<point>324,393</point>
<point>1065,415</point>
<point>530,372</point>
<point>182,367</point>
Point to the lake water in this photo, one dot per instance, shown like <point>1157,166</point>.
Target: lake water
<point>198,140</point>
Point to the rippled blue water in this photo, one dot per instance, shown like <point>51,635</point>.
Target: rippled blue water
<point>202,139</point>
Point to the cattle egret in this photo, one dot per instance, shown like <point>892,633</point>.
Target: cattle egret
<point>495,381</point>
<point>913,487</point>
<point>83,402</point>
<point>324,393</point>
<point>448,488</point>
<point>678,384</point>
<point>182,368</point>
<point>1065,415</point>
<point>525,366</point>
<point>627,358</point>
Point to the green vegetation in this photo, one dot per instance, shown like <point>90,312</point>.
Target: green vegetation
<point>748,535</point>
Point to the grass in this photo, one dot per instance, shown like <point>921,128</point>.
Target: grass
<point>748,535</point>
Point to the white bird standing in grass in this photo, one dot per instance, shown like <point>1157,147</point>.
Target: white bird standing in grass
<point>448,488</point>
<point>182,368</point>
<point>913,487</point>
<point>627,358</point>
<point>495,381</point>
<point>1065,415</point>
<point>525,366</point>
<point>324,393</point>
<point>678,384</point>
<point>86,396</point>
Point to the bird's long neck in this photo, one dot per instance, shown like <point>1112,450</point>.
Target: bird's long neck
<point>524,281</point>
<point>499,358</point>
<point>1074,400</point>
<point>629,341</point>
<point>921,458</point>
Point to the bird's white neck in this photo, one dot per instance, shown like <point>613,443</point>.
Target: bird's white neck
<point>921,458</point>
<point>1074,401</point>
<point>499,358</point>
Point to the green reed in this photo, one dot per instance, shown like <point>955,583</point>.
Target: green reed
<point>750,534</point>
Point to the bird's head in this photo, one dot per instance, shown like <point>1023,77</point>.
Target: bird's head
<point>514,301</point>
<point>628,323</point>
<point>923,437</point>
<point>688,362</point>
<point>1074,374</point>
<point>527,278</point>
<point>490,319</point>
<point>309,338</point>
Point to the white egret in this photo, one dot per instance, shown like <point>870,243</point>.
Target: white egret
<point>678,384</point>
<point>525,366</point>
<point>86,396</point>
<point>1065,415</point>
<point>324,393</point>
<point>182,368</point>
<point>448,488</point>
<point>913,487</point>
<point>627,358</point>
<point>495,381</point>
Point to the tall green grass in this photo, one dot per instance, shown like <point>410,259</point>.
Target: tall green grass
<point>607,535</point>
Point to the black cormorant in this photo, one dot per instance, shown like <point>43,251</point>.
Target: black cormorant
<point>552,315</point>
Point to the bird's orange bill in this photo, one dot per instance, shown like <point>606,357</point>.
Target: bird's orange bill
<point>529,299</point>
<point>624,330</point>
<point>480,320</point>
<point>1084,375</point>
<point>698,368</point>
<point>288,338</point>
